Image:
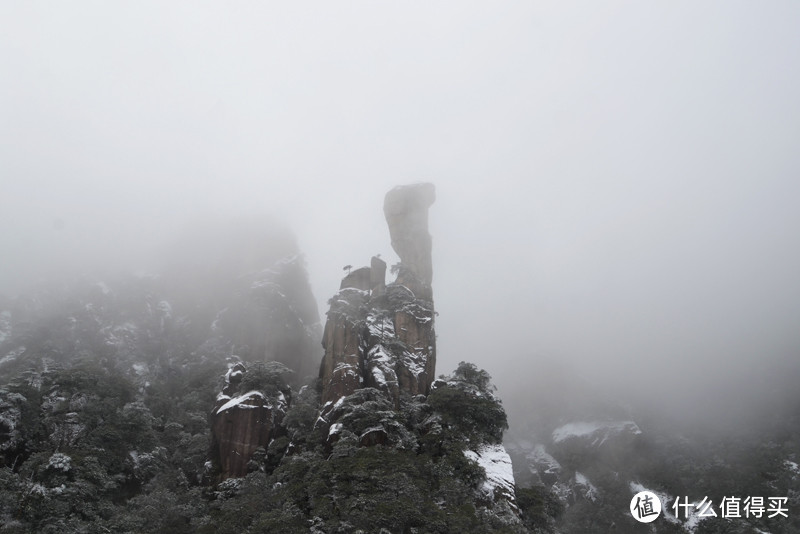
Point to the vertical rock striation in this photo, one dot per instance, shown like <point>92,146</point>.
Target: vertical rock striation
<point>240,426</point>
<point>343,362</point>
<point>380,335</point>
<point>247,415</point>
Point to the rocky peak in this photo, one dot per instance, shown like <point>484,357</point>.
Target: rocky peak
<point>380,335</point>
<point>247,414</point>
<point>406,211</point>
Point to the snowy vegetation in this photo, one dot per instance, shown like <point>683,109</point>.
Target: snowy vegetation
<point>104,427</point>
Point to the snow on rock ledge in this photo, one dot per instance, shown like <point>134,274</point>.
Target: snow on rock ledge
<point>240,425</point>
<point>499,474</point>
<point>243,401</point>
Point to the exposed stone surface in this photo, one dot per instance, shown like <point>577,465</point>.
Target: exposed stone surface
<point>377,281</point>
<point>360,279</point>
<point>499,482</point>
<point>343,363</point>
<point>239,430</point>
<point>243,422</point>
<point>406,211</point>
<point>416,366</point>
<point>379,335</point>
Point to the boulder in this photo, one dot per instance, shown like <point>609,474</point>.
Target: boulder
<point>360,279</point>
<point>240,425</point>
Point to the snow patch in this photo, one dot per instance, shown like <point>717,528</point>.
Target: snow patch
<point>496,462</point>
<point>335,429</point>
<point>60,462</point>
<point>414,363</point>
<point>599,430</point>
<point>239,400</point>
<point>792,466</point>
<point>12,355</point>
<point>589,489</point>
<point>689,524</point>
<point>563,492</point>
<point>236,371</point>
<point>665,498</point>
<point>381,368</point>
<point>540,457</point>
<point>346,369</point>
<point>38,489</point>
<point>381,327</point>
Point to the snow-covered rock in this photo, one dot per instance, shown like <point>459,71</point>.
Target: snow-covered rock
<point>587,490</point>
<point>247,401</point>
<point>547,467</point>
<point>496,462</point>
<point>595,432</point>
<point>60,462</point>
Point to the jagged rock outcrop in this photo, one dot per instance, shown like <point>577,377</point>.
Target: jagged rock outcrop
<point>380,335</point>
<point>245,419</point>
<point>499,483</point>
<point>240,426</point>
<point>343,363</point>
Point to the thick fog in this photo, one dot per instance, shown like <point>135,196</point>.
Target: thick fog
<point>617,183</point>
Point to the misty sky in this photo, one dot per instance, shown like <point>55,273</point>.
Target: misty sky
<point>618,182</point>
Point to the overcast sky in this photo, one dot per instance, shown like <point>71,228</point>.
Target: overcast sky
<point>618,182</point>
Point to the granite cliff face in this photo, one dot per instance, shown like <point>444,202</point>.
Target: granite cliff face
<point>380,335</point>
<point>243,421</point>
